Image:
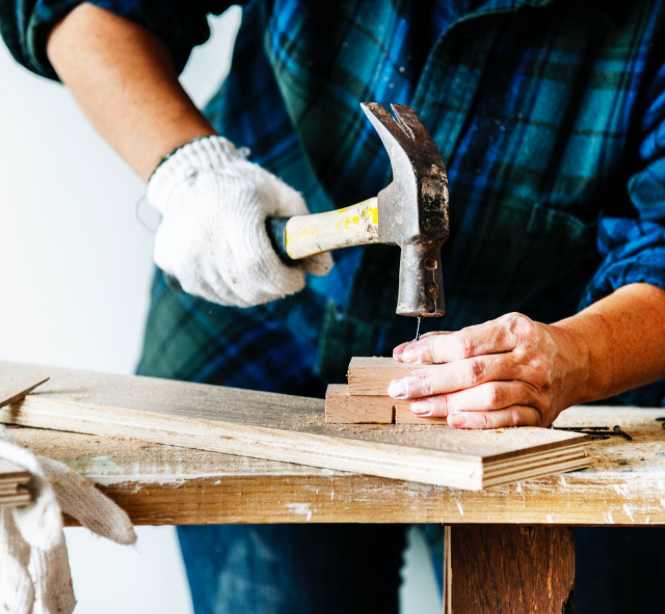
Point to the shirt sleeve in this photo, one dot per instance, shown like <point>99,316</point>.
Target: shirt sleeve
<point>25,25</point>
<point>633,248</point>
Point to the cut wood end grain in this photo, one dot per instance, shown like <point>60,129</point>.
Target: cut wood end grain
<point>343,408</point>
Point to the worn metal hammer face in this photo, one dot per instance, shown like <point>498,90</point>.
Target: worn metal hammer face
<point>411,212</point>
<point>413,209</point>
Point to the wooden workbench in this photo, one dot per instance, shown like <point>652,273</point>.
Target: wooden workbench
<point>625,485</point>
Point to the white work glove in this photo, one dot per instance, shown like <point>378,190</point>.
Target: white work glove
<point>34,565</point>
<point>212,238</point>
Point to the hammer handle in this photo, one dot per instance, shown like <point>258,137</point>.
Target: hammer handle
<point>302,236</point>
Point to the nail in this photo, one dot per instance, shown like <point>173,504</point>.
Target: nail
<point>397,352</point>
<point>398,389</point>
<point>421,408</point>
<point>457,419</point>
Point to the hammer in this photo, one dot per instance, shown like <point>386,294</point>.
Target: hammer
<point>411,212</point>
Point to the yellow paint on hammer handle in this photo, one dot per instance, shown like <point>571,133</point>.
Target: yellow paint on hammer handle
<point>308,235</point>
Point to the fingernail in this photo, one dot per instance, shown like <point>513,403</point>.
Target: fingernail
<point>421,408</point>
<point>410,355</point>
<point>457,419</point>
<point>397,353</point>
<point>398,389</point>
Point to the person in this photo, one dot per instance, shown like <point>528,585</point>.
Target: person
<point>550,115</point>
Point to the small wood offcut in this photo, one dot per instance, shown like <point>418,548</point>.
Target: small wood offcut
<point>365,399</point>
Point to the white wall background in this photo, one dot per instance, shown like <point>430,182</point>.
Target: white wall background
<point>74,272</point>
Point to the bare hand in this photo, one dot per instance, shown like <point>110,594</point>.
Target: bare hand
<point>506,372</point>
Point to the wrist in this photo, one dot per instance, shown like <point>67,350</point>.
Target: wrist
<point>588,341</point>
<point>211,153</point>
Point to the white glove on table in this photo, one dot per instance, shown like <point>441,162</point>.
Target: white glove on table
<point>34,565</point>
<point>213,238</point>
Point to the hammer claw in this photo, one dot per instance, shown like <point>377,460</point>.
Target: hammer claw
<point>409,121</point>
<point>384,123</point>
<point>413,209</point>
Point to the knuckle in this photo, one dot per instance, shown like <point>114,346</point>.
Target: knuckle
<point>531,395</point>
<point>443,405</point>
<point>433,349</point>
<point>462,346</point>
<point>424,382</point>
<point>522,326</point>
<point>475,372</point>
<point>514,417</point>
<point>494,396</point>
<point>484,421</point>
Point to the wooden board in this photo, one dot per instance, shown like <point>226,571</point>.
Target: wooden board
<point>342,408</point>
<point>372,375</point>
<point>12,479</point>
<point>14,390</point>
<point>511,569</point>
<point>287,428</point>
<point>166,485</point>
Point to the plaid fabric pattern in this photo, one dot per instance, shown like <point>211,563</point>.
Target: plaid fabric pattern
<point>550,115</point>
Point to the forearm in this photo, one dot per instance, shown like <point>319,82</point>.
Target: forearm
<point>122,77</point>
<point>623,337</point>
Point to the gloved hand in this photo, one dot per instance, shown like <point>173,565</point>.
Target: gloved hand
<point>213,238</point>
<point>34,566</point>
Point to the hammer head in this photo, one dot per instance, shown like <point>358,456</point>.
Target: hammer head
<point>413,209</point>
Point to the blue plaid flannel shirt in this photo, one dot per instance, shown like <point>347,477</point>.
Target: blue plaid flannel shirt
<point>550,115</point>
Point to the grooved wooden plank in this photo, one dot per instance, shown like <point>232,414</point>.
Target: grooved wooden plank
<point>166,485</point>
<point>507,568</point>
<point>371,376</point>
<point>343,408</point>
<point>280,427</point>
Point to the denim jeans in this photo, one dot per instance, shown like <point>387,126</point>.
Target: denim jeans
<point>343,569</point>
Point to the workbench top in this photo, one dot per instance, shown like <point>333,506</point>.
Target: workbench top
<point>161,485</point>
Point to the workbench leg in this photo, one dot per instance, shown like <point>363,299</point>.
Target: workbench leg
<point>509,569</point>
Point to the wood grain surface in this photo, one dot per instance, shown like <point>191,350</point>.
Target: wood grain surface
<point>343,408</point>
<point>372,375</point>
<point>516,570</point>
<point>287,428</point>
<point>161,484</point>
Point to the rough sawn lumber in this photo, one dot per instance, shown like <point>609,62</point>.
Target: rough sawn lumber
<point>286,428</point>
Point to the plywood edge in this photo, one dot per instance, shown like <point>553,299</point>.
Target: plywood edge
<point>9,472</point>
<point>569,438</point>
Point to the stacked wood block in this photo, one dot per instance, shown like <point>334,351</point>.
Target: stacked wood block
<point>12,479</point>
<point>365,400</point>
